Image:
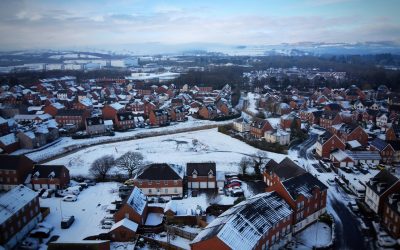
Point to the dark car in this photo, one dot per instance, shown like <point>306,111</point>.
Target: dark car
<point>67,222</point>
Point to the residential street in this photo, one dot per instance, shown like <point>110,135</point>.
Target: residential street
<point>348,233</point>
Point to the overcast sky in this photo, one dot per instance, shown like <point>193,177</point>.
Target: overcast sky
<point>74,23</point>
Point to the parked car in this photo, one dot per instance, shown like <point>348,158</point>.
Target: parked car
<point>40,232</point>
<point>29,244</point>
<point>73,190</point>
<point>233,184</point>
<point>353,206</point>
<point>237,191</point>
<point>90,182</point>
<point>384,240</point>
<point>66,222</point>
<point>331,182</point>
<point>83,185</point>
<point>47,194</point>
<point>45,225</point>
<point>71,198</point>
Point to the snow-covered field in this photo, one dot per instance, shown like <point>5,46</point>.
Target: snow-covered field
<point>199,146</point>
<point>66,144</point>
<point>88,210</point>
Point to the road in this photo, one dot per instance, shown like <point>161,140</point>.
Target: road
<point>348,232</point>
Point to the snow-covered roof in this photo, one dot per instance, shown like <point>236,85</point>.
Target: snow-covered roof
<point>340,155</point>
<point>354,144</point>
<point>8,139</point>
<point>117,106</point>
<point>242,226</point>
<point>14,200</point>
<point>125,222</point>
<point>137,200</point>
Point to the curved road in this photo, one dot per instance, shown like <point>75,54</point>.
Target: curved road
<point>347,227</point>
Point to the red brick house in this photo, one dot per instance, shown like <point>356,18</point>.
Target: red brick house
<point>350,132</point>
<point>277,172</point>
<point>53,108</point>
<point>385,149</point>
<point>159,117</point>
<point>201,175</point>
<point>391,214</point>
<point>110,111</point>
<point>74,117</point>
<point>49,177</point>
<point>315,117</point>
<point>20,213</point>
<point>13,170</point>
<point>393,133</point>
<point>258,223</point>
<point>287,121</point>
<point>306,195</point>
<point>159,179</point>
<point>123,231</point>
<point>177,114</point>
<point>134,208</point>
<point>259,126</point>
<point>208,112</point>
<point>124,121</point>
<point>4,129</point>
<point>148,107</point>
<point>328,142</point>
<point>329,118</point>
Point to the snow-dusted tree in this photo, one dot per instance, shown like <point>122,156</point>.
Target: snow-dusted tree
<point>101,167</point>
<point>130,162</point>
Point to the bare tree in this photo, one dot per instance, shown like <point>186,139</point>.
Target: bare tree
<point>130,162</point>
<point>245,162</point>
<point>259,159</point>
<point>101,167</point>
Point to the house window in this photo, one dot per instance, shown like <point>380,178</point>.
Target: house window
<point>175,190</point>
<point>149,190</point>
<point>166,190</point>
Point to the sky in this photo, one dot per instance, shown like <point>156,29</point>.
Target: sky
<point>57,24</point>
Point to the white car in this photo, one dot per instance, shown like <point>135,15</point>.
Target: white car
<point>107,224</point>
<point>73,190</point>
<point>71,198</point>
<point>45,225</point>
<point>353,206</point>
<point>384,240</point>
<point>331,182</point>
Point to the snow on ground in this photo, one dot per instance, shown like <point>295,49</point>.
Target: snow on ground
<point>317,234</point>
<point>154,219</point>
<point>175,240</point>
<point>88,210</point>
<point>122,245</point>
<point>66,144</point>
<point>198,146</point>
<point>252,102</point>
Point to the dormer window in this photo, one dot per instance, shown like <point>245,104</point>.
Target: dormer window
<point>210,174</point>
<point>194,174</point>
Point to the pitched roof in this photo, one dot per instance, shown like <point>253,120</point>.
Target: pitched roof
<point>379,144</point>
<point>14,161</point>
<point>158,171</point>
<point>127,223</point>
<point>14,200</point>
<point>242,226</point>
<point>303,184</point>
<point>285,169</point>
<point>382,181</point>
<point>202,168</point>
<point>137,200</point>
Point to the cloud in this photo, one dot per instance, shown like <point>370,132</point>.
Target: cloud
<point>26,24</point>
